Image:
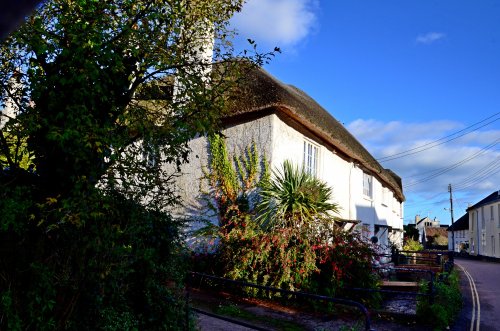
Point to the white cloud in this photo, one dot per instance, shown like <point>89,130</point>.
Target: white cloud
<point>430,37</point>
<point>470,163</point>
<point>276,22</point>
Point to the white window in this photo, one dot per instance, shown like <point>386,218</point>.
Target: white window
<point>311,156</point>
<point>367,185</point>
<point>386,196</point>
<point>493,245</point>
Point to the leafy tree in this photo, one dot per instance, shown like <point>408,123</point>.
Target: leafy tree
<point>106,96</point>
<point>410,232</point>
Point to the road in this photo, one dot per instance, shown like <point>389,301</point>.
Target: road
<point>482,278</point>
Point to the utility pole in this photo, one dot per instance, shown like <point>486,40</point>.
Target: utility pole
<point>451,211</point>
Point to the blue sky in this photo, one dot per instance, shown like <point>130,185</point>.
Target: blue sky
<point>399,75</point>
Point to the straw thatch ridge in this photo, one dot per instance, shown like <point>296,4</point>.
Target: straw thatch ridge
<point>260,94</point>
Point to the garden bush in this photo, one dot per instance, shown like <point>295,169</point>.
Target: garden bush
<point>446,305</point>
<point>286,236</point>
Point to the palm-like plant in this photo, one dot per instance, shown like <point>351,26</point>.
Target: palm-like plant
<point>294,198</point>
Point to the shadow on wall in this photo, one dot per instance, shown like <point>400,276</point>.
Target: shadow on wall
<point>378,226</point>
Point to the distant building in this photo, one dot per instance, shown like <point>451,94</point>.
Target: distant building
<point>484,226</point>
<point>435,237</point>
<point>459,231</point>
<point>421,224</point>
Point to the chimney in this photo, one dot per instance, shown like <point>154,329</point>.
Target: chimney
<point>198,37</point>
<point>12,97</point>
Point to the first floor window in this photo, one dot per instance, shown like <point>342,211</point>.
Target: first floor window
<point>311,152</point>
<point>367,185</point>
<point>483,223</point>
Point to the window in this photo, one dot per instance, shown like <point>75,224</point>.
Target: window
<point>492,245</point>
<point>150,155</point>
<point>498,215</point>
<point>367,185</point>
<point>492,217</point>
<point>311,158</point>
<point>483,224</point>
<point>473,221</point>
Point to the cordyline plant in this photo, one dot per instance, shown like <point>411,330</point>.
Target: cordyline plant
<point>294,198</point>
<point>101,99</point>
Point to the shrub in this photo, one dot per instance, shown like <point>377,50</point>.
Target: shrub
<point>107,272</point>
<point>447,303</point>
<point>412,245</point>
<point>287,236</point>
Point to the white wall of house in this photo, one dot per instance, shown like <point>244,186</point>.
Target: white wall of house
<point>484,230</point>
<point>377,211</point>
<point>461,237</point>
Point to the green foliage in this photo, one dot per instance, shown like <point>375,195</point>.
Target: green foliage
<point>110,271</point>
<point>410,232</point>
<point>280,259</point>
<point>105,97</point>
<point>285,258</point>
<point>412,245</point>
<point>276,250</point>
<point>233,181</point>
<point>345,260</point>
<point>295,198</point>
<point>446,305</point>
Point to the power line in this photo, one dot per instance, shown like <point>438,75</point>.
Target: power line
<point>478,179</point>
<point>487,168</point>
<point>440,141</point>
<point>440,171</point>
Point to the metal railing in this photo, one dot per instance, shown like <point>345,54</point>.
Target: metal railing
<point>424,258</point>
<point>346,302</point>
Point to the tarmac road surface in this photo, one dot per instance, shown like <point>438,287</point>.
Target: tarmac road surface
<point>481,289</point>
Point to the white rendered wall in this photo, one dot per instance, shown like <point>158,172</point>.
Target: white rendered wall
<point>281,142</point>
<point>486,238</point>
<point>238,138</point>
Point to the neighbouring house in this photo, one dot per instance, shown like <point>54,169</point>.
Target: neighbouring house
<point>484,226</point>
<point>422,223</point>
<point>459,231</point>
<point>435,237</point>
<point>287,124</point>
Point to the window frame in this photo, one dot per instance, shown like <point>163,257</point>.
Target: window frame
<point>367,189</point>
<point>311,157</point>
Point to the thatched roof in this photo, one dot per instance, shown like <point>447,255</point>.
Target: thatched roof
<point>431,231</point>
<point>261,94</point>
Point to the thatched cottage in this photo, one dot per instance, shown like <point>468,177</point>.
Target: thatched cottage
<point>287,124</point>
